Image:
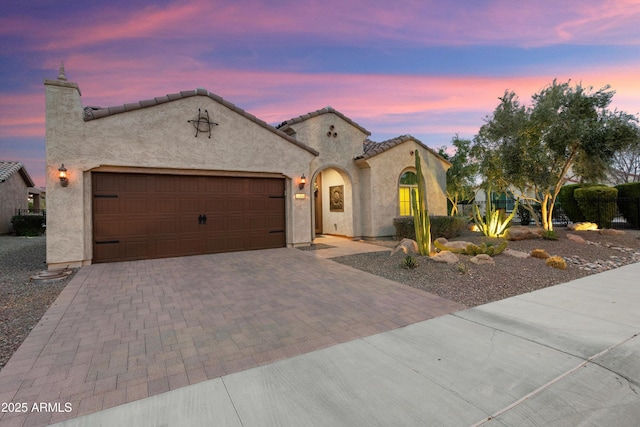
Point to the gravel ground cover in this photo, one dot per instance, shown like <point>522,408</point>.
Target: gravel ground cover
<point>22,301</point>
<point>473,285</point>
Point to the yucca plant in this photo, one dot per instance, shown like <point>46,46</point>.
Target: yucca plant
<point>409,262</point>
<point>421,220</point>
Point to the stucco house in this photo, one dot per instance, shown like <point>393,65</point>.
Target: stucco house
<point>191,173</point>
<point>15,184</point>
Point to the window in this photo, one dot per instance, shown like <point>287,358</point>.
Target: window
<point>408,180</point>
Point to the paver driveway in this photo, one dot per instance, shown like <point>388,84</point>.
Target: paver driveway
<point>124,331</point>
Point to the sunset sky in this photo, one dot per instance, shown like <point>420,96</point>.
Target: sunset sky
<point>431,69</point>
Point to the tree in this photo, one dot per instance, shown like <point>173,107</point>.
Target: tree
<point>625,165</point>
<point>567,132</point>
<point>462,173</point>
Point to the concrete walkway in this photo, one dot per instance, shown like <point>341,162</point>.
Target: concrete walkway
<point>566,355</point>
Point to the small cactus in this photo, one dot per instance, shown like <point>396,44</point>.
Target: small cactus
<point>539,253</point>
<point>556,262</point>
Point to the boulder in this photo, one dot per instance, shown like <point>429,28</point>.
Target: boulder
<point>516,254</point>
<point>583,226</point>
<point>576,238</point>
<point>611,232</point>
<point>519,232</point>
<point>407,246</point>
<point>482,259</point>
<point>445,256</point>
<point>458,244</point>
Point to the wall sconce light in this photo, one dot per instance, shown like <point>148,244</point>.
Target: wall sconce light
<point>62,174</point>
<point>303,181</point>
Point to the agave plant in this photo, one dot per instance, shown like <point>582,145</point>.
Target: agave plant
<point>493,225</point>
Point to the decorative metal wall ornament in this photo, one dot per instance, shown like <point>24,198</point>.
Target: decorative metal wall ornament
<point>202,123</point>
<point>336,198</point>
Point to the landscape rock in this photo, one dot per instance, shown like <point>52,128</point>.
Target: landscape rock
<point>611,232</point>
<point>519,232</point>
<point>408,246</point>
<point>516,254</point>
<point>576,238</point>
<point>445,256</point>
<point>482,259</point>
<point>458,244</point>
<point>583,226</point>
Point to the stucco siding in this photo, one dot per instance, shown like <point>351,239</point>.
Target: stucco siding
<point>13,196</point>
<point>160,139</point>
<point>386,169</point>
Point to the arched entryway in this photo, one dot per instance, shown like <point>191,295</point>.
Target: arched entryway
<point>332,203</point>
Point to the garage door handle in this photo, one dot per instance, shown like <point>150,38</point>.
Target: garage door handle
<point>202,219</point>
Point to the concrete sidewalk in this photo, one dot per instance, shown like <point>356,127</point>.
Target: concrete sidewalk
<point>562,356</point>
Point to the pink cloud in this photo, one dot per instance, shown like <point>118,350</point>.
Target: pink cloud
<point>200,23</point>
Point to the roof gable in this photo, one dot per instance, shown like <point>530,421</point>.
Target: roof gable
<point>372,148</point>
<point>284,126</point>
<point>7,169</point>
<point>93,113</point>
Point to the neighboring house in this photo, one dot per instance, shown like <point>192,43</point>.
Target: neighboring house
<point>191,173</point>
<point>15,184</point>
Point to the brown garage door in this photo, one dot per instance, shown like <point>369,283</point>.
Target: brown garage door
<point>140,216</point>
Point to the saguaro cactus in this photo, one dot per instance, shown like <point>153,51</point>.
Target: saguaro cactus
<point>421,219</point>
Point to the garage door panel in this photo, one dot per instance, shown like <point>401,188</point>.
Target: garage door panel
<point>106,205</point>
<point>164,205</point>
<point>234,185</point>
<point>164,184</point>
<point>134,206</point>
<point>107,229</point>
<point>138,216</point>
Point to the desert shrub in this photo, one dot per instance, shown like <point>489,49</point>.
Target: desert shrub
<point>28,225</point>
<point>539,253</point>
<point>598,204</point>
<point>404,228</point>
<point>447,226</point>
<point>556,262</point>
<point>630,206</point>
<point>441,226</point>
<point>569,204</point>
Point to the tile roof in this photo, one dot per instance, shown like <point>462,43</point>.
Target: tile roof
<point>326,110</point>
<point>9,168</point>
<point>372,148</point>
<point>93,113</point>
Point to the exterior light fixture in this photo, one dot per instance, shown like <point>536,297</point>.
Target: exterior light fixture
<point>62,174</point>
<point>303,181</point>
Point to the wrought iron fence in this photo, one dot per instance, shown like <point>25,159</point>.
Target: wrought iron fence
<point>42,212</point>
<point>622,212</point>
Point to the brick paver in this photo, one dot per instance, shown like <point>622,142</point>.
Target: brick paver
<point>125,331</point>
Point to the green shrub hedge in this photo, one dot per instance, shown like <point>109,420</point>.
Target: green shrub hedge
<point>28,225</point>
<point>630,209</point>
<point>441,226</point>
<point>598,204</point>
<point>569,204</point>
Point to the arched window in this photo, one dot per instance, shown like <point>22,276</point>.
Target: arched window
<point>408,180</point>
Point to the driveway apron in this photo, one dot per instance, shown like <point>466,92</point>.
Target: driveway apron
<point>121,332</point>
